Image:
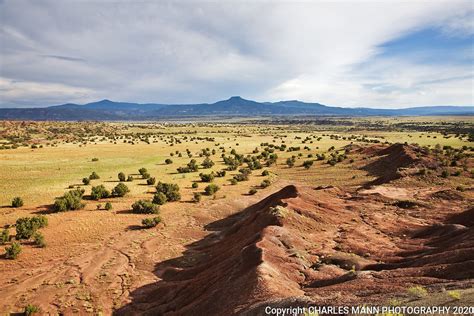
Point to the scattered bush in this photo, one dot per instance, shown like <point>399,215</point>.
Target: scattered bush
<point>211,189</point>
<point>265,173</point>
<point>4,236</point>
<point>221,173</point>
<point>95,159</point>
<point>290,162</point>
<point>190,167</point>
<point>455,295</point>
<point>120,190</point>
<point>151,222</point>
<point>307,164</point>
<point>69,201</point>
<point>27,226</point>
<point>160,198</point>
<point>194,185</point>
<point>418,291</point>
<point>13,251</point>
<point>252,191</point>
<point>130,178</point>
<point>171,190</point>
<point>108,206</point>
<point>151,181</point>
<point>94,176</point>
<point>121,176</point>
<point>265,183</point>
<point>445,174</point>
<point>233,181</point>
<point>144,207</point>
<point>142,171</point>
<point>207,163</point>
<point>197,197</point>
<point>17,202</point>
<point>86,181</point>
<point>30,310</point>
<point>99,192</point>
<point>168,161</point>
<point>38,238</point>
<point>207,177</point>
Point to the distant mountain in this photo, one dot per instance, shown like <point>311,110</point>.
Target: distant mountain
<point>107,110</point>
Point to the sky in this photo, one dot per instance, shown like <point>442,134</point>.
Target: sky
<point>383,54</point>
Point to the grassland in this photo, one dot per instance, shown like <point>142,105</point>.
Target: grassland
<point>41,174</point>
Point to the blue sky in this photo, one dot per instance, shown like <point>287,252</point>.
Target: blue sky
<point>386,54</point>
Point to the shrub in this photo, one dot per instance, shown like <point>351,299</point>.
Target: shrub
<point>171,190</point>
<point>17,202</point>
<point>142,171</point>
<point>207,177</point>
<point>290,162</point>
<point>221,173</point>
<point>130,178</point>
<point>146,175</point>
<point>265,183</point>
<point>13,251</point>
<point>99,206</point>
<point>144,207</point>
<point>307,164</point>
<point>151,181</point>
<point>120,190</point>
<point>444,174</point>
<point>190,167</point>
<point>211,189</point>
<point>95,159</point>
<point>86,181</point>
<point>457,173</point>
<point>108,206</point>
<point>121,176</point>
<point>39,240</point>
<point>30,310</point>
<point>252,191</point>
<point>265,173</point>
<point>418,291</point>
<point>159,198</point>
<point>27,226</point>
<point>94,176</point>
<point>168,161</point>
<point>151,222</point>
<point>194,185</point>
<point>207,163</point>
<point>455,295</point>
<point>233,181</point>
<point>197,197</point>
<point>99,192</point>
<point>4,236</point>
<point>69,201</point>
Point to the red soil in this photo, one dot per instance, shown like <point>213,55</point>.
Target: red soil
<point>314,247</point>
<point>392,161</point>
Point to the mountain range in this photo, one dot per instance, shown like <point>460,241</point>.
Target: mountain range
<point>236,106</point>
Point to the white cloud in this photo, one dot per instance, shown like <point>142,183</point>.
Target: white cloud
<point>190,51</point>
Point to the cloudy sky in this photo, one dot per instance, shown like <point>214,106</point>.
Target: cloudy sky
<point>385,54</point>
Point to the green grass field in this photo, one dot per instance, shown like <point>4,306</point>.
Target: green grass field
<point>41,174</point>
